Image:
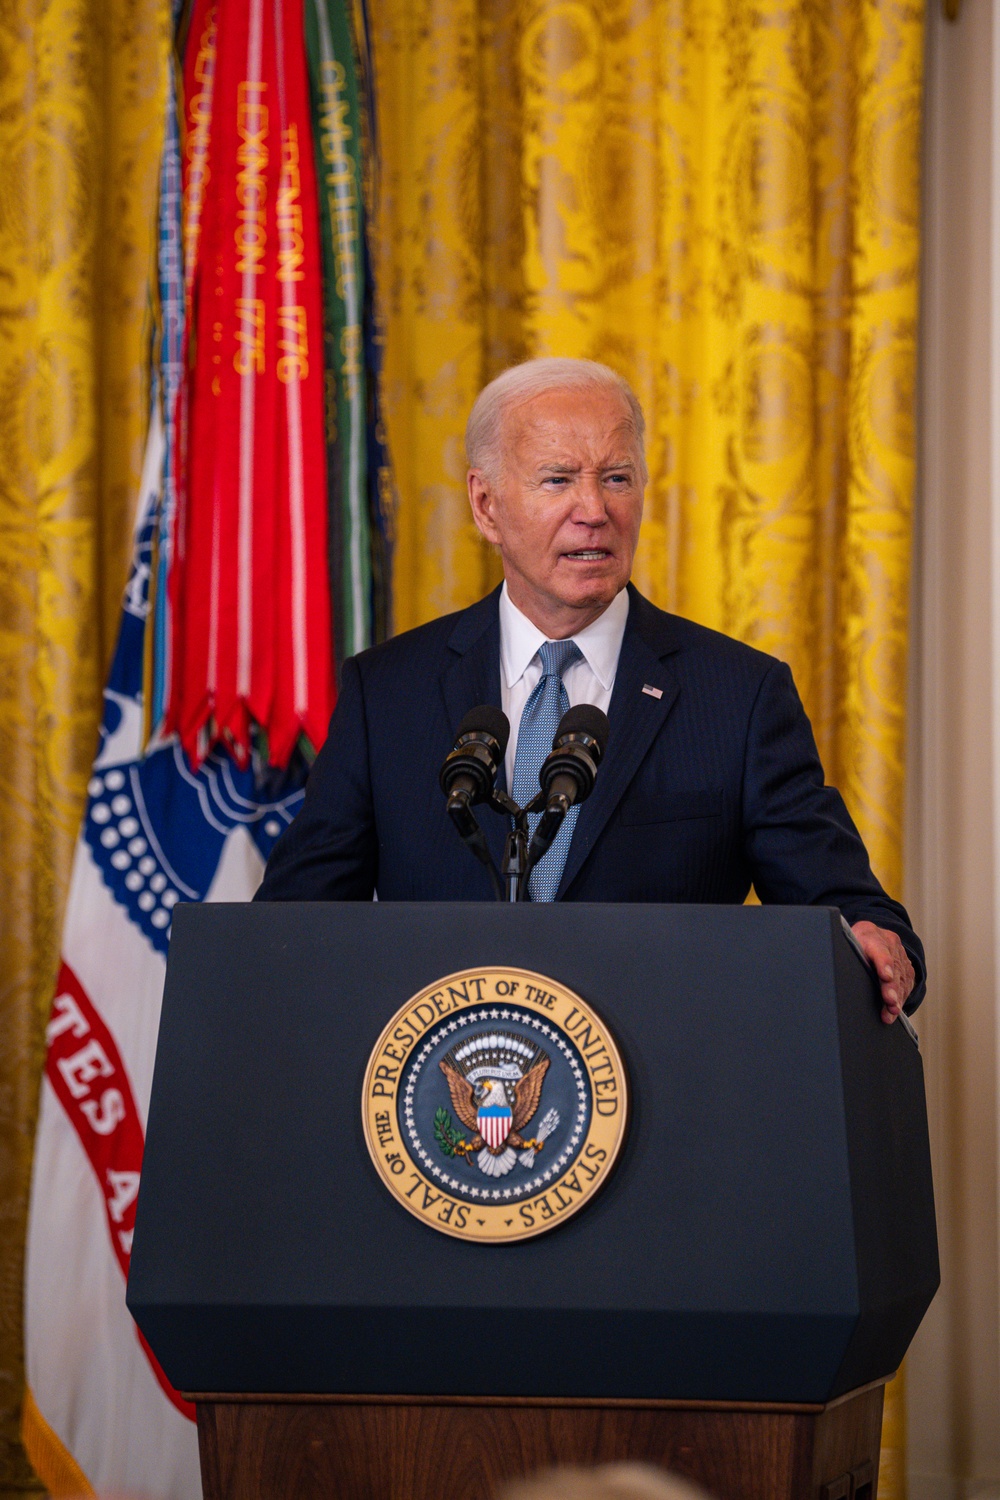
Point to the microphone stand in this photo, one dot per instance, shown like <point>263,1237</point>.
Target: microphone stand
<point>519,855</point>
<point>518,859</point>
<point>514,868</point>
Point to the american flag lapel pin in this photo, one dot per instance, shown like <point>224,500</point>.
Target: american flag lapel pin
<point>652,691</point>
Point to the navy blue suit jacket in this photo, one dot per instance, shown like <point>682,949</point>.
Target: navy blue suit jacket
<point>707,789</point>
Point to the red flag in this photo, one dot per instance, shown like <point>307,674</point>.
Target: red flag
<point>253,638</point>
<point>305,658</point>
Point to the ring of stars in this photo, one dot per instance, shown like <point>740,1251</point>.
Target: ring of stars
<point>539,1181</point>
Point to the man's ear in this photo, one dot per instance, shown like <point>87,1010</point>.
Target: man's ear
<point>482,498</point>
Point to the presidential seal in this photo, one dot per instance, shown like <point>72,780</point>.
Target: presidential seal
<point>495,1104</point>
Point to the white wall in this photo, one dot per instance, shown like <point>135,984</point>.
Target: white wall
<point>951,885</point>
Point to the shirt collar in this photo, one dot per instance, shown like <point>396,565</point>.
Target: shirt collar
<point>600,642</point>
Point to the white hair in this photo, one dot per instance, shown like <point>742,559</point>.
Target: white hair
<point>484,429</point>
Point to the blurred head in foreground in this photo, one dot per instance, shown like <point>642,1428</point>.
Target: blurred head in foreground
<point>608,1482</point>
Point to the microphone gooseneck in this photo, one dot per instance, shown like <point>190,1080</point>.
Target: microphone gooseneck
<point>469,774</point>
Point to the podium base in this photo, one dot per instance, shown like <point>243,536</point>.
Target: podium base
<point>275,1447</point>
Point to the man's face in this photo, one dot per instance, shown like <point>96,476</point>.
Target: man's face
<point>565,508</point>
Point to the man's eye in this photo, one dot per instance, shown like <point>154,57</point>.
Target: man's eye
<point>619,479</point>
<point>559,479</point>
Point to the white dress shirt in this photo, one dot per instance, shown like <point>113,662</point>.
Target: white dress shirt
<point>588,680</point>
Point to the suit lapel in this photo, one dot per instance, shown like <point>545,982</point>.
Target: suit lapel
<point>473,677</point>
<point>635,719</point>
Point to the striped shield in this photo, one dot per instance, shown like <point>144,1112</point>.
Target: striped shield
<point>494,1122</point>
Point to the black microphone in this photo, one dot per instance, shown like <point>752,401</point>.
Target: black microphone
<point>570,770</point>
<point>470,768</point>
<point>568,774</point>
<point>468,776</point>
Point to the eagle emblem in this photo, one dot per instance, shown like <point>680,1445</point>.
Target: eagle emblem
<point>505,1113</point>
<point>495,1081</point>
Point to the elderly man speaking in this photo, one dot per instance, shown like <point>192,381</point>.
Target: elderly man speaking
<point>711,780</point>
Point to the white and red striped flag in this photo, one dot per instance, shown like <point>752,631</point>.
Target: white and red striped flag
<point>99,1412</point>
<point>225,655</point>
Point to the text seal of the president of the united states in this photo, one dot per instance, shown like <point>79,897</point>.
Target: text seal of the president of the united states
<point>495,1104</point>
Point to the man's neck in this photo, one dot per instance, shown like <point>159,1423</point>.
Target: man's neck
<point>561,621</point>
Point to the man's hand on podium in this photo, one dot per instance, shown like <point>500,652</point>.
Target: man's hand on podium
<point>892,965</point>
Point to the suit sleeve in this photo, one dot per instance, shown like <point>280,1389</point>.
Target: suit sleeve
<point>801,842</point>
<point>330,851</point>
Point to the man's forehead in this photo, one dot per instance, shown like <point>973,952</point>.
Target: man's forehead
<point>563,424</point>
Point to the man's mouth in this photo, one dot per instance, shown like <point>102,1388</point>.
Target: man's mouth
<point>589,554</point>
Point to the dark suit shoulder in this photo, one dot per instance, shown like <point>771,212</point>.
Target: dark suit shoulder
<point>667,634</point>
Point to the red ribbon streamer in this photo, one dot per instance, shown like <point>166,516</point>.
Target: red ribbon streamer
<point>252,636</point>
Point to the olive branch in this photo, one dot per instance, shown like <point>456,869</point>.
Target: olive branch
<point>445,1133</point>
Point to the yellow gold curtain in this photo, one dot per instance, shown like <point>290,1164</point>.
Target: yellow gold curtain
<point>81,111</point>
<point>722,201</point>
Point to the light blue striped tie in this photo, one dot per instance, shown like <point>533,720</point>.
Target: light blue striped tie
<point>539,722</point>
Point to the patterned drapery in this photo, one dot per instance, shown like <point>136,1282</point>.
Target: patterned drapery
<point>721,200</point>
<point>81,110</point>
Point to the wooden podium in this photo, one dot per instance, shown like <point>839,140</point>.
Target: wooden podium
<point>421,1448</point>
<point>729,1306</point>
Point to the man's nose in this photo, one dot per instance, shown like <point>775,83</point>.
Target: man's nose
<point>591,507</point>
